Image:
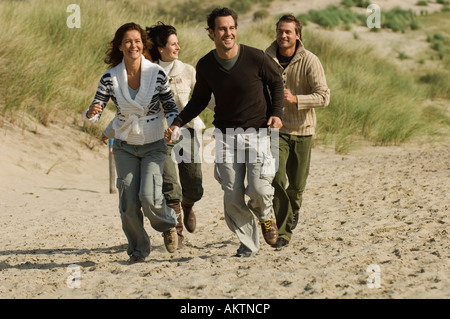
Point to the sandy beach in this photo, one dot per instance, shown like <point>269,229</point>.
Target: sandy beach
<point>374,224</point>
<point>384,207</point>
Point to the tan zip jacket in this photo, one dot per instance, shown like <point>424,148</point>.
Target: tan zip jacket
<point>305,78</point>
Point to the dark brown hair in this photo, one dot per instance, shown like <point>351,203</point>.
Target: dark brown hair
<point>292,18</point>
<point>159,34</point>
<point>113,55</point>
<point>220,12</point>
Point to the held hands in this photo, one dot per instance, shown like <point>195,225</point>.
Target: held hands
<point>94,110</point>
<point>172,133</point>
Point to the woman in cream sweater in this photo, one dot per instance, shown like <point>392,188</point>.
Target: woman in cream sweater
<point>164,52</point>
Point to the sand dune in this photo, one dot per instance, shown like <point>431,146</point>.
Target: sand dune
<point>384,206</point>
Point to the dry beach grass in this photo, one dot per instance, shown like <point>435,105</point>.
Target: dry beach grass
<point>383,206</point>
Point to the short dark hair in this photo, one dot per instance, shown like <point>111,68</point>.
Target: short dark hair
<point>220,12</point>
<point>159,34</point>
<point>292,18</point>
<point>113,55</point>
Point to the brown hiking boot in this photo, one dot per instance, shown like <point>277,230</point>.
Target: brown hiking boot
<point>170,240</point>
<point>179,227</point>
<point>269,231</point>
<point>189,219</point>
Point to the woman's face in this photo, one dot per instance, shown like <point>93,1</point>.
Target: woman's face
<point>169,53</point>
<point>132,46</point>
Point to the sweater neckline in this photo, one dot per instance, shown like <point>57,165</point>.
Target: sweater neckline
<point>241,52</point>
<point>167,66</point>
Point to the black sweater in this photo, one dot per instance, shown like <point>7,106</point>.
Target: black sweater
<point>241,93</point>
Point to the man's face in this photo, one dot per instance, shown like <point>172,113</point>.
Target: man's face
<point>224,34</point>
<point>286,36</point>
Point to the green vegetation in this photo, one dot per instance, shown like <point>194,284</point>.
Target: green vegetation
<point>51,72</point>
<point>399,19</point>
<point>422,3</point>
<point>356,3</point>
<point>440,43</point>
<point>197,10</point>
<point>332,17</point>
<point>396,19</point>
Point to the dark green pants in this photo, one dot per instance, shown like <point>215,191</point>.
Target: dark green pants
<point>190,173</point>
<point>290,180</point>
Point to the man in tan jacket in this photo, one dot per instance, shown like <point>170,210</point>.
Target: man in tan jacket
<point>305,89</point>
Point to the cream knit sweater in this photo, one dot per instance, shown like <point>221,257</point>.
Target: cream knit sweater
<point>305,78</point>
<point>141,120</point>
<point>182,80</point>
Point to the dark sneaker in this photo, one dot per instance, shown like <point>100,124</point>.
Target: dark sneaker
<point>136,259</point>
<point>281,242</point>
<point>295,221</point>
<point>243,252</point>
<point>270,231</point>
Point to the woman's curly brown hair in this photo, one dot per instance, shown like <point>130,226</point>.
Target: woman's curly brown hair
<point>114,56</point>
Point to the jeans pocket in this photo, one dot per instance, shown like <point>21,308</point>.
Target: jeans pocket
<point>217,174</point>
<point>267,167</point>
<point>120,184</point>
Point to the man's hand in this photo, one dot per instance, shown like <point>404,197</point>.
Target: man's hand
<point>274,122</point>
<point>172,132</point>
<point>289,97</point>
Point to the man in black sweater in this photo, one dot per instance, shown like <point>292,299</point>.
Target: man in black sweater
<point>249,96</point>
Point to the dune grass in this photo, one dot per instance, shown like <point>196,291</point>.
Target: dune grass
<point>51,72</point>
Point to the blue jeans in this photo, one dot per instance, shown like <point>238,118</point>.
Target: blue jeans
<point>139,181</point>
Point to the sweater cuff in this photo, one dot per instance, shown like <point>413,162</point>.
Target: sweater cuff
<point>178,122</point>
<point>277,112</point>
<point>93,119</point>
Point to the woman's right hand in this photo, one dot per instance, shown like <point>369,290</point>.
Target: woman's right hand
<point>94,109</point>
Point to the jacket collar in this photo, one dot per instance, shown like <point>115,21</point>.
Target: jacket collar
<point>177,68</point>
<point>300,53</point>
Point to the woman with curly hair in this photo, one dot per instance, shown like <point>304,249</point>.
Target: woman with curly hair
<point>138,89</point>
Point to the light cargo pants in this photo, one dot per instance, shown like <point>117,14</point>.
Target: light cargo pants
<point>139,182</point>
<point>238,156</point>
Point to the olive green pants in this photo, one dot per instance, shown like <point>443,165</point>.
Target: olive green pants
<point>294,162</point>
<point>189,170</point>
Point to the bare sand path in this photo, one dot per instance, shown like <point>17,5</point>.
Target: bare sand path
<point>384,206</point>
